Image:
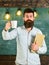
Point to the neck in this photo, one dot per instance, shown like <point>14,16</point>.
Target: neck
<point>28,29</point>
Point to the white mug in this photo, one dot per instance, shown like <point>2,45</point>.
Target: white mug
<point>14,24</point>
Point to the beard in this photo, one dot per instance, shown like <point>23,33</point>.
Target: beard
<point>29,24</point>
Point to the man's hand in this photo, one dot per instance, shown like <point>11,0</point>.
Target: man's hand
<point>34,47</point>
<point>7,26</point>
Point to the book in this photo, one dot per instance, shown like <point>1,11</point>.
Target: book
<point>39,39</point>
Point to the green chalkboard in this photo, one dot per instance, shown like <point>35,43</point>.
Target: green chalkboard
<point>41,21</point>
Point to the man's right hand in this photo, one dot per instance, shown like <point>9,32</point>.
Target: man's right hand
<point>7,26</point>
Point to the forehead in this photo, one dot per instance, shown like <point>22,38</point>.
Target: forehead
<point>28,14</point>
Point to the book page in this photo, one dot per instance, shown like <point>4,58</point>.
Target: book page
<point>39,39</point>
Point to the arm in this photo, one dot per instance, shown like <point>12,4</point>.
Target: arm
<point>42,49</point>
<point>39,50</point>
<point>9,35</point>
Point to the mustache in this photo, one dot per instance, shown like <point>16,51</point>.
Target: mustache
<point>29,20</point>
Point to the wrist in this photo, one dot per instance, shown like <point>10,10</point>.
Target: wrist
<point>5,29</point>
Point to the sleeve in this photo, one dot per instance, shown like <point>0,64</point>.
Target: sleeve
<point>42,49</point>
<point>6,35</point>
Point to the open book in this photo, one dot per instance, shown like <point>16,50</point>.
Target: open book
<point>39,39</point>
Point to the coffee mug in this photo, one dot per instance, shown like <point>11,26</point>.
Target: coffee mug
<point>14,24</point>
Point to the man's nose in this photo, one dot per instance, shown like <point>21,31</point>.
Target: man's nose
<point>28,17</point>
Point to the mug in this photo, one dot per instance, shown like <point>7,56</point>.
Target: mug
<point>14,24</point>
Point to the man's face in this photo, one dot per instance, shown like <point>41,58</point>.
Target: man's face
<point>28,20</point>
<point>28,16</point>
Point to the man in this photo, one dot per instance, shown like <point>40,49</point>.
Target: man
<point>23,37</point>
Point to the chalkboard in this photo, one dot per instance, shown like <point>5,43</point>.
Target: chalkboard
<point>6,47</point>
<point>41,21</point>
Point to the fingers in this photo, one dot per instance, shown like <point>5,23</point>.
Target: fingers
<point>34,46</point>
<point>8,25</point>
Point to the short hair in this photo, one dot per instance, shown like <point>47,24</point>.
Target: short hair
<point>28,10</point>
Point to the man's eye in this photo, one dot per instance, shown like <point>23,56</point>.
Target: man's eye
<point>27,16</point>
